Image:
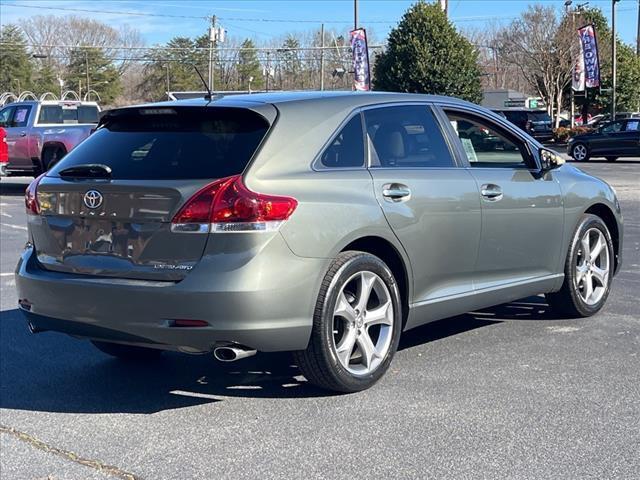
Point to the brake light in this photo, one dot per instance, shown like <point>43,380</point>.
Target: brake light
<point>31,197</point>
<point>227,205</point>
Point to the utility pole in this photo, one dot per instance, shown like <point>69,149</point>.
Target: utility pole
<point>322,57</point>
<point>86,61</point>
<point>212,39</point>
<point>355,14</point>
<point>445,7</point>
<point>168,84</point>
<point>614,53</point>
<point>638,32</point>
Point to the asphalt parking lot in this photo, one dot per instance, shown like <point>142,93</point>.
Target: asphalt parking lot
<point>509,392</point>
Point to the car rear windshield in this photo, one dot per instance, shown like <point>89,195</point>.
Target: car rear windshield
<point>56,114</point>
<point>539,117</point>
<point>172,143</point>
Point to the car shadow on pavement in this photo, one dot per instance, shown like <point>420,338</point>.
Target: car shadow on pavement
<point>12,189</point>
<point>52,372</point>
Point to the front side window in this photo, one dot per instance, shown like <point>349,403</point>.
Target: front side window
<point>21,117</point>
<point>347,148</point>
<point>5,116</point>
<point>406,137</point>
<point>486,144</point>
<point>612,127</point>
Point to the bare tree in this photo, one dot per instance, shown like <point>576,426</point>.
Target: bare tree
<point>543,48</point>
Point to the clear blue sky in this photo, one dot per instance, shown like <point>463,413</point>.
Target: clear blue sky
<point>267,19</point>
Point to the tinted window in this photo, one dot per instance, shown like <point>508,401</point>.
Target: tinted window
<point>486,144</point>
<point>172,143</point>
<point>632,126</point>
<point>347,148</point>
<point>612,127</point>
<point>54,114</point>
<point>542,117</point>
<point>517,118</point>
<point>21,116</point>
<point>5,115</point>
<point>406,137</point>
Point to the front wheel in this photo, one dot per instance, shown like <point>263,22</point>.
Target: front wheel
<point>356,325</point>
<point>588,270</point>
<point>580,152</point>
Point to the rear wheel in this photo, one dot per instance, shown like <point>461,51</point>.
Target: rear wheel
<point>51,156</point>
<point>611,159</point>
<point>356,325</point>
<point>580,152</point>
<point>588,270</point>
<point>127,352</point>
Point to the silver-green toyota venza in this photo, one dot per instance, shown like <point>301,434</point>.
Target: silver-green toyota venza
<point>323,224</point>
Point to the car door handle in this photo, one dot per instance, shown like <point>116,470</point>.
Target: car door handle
<point>396,192</point>
<point>491,192</point>
<point>23,134</point>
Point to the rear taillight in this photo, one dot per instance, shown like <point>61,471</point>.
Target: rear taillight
<point>31,197</point>
<point>227,205</point>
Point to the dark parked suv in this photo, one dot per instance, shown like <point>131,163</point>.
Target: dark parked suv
<point>536,123</point>
<point>323,224</point>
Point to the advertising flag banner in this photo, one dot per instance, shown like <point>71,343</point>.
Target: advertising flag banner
<point>361,74</point>
<point>590,56</point>
<point>578,73</point>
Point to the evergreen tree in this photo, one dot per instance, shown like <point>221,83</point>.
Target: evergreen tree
<point>426,54</point>
<point>103,75</point>
<point>15,61</point>
<point>249,66</point>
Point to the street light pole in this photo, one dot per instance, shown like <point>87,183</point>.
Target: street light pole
<point>86,60</point>
<point>614,59</point>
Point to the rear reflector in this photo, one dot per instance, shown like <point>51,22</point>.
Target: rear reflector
<point>188,323</point>
<point>31,197</point>
<point>228,206</point>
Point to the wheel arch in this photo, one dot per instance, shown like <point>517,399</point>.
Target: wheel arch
<point>391,256</point>
<point>53,144</point>
<point>605,213</point>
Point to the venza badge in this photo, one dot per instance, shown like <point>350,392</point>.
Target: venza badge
<point>93,199</point>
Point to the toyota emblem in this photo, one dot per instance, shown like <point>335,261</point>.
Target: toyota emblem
<point>93,199</point>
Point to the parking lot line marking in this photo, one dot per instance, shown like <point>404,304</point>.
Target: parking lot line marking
<point>6,215</point>
<point>6,274</point>
<point>16,227</point>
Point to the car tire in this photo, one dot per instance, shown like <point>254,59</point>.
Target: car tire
<point>127,352</point>
<point>611,159</point>
<point>580,152</point>
<point>573,299</point>
<point>348,352</point>
<point>51,156</point>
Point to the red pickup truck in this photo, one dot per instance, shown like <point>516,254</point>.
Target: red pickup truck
<point>38,134</point>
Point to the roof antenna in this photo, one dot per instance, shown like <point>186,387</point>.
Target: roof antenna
<point>208,95</point>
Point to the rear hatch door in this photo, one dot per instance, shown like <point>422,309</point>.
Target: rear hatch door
<point>118,224</point>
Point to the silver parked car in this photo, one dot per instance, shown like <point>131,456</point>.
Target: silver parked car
<point>327,224</point>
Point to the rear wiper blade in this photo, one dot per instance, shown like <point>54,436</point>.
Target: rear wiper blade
<point>91,170</point>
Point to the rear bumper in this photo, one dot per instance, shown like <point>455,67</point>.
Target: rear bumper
<point>265,303</point>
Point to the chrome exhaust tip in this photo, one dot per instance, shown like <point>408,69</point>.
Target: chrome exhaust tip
<point>232,353</point>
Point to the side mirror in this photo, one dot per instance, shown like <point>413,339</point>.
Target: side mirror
<point>550,160</point>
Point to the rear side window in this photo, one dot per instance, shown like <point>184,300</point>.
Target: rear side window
<point>347,148</point>
<point>632,126</point>
<point>406,137</point>
<point>168,143</point>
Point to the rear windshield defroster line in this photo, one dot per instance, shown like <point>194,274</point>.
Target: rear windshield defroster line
<point>177,143</point>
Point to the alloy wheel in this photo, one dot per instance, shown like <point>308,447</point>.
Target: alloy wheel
<point>579,152</point>
<point>363,323</point>
<point>592,266</point>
